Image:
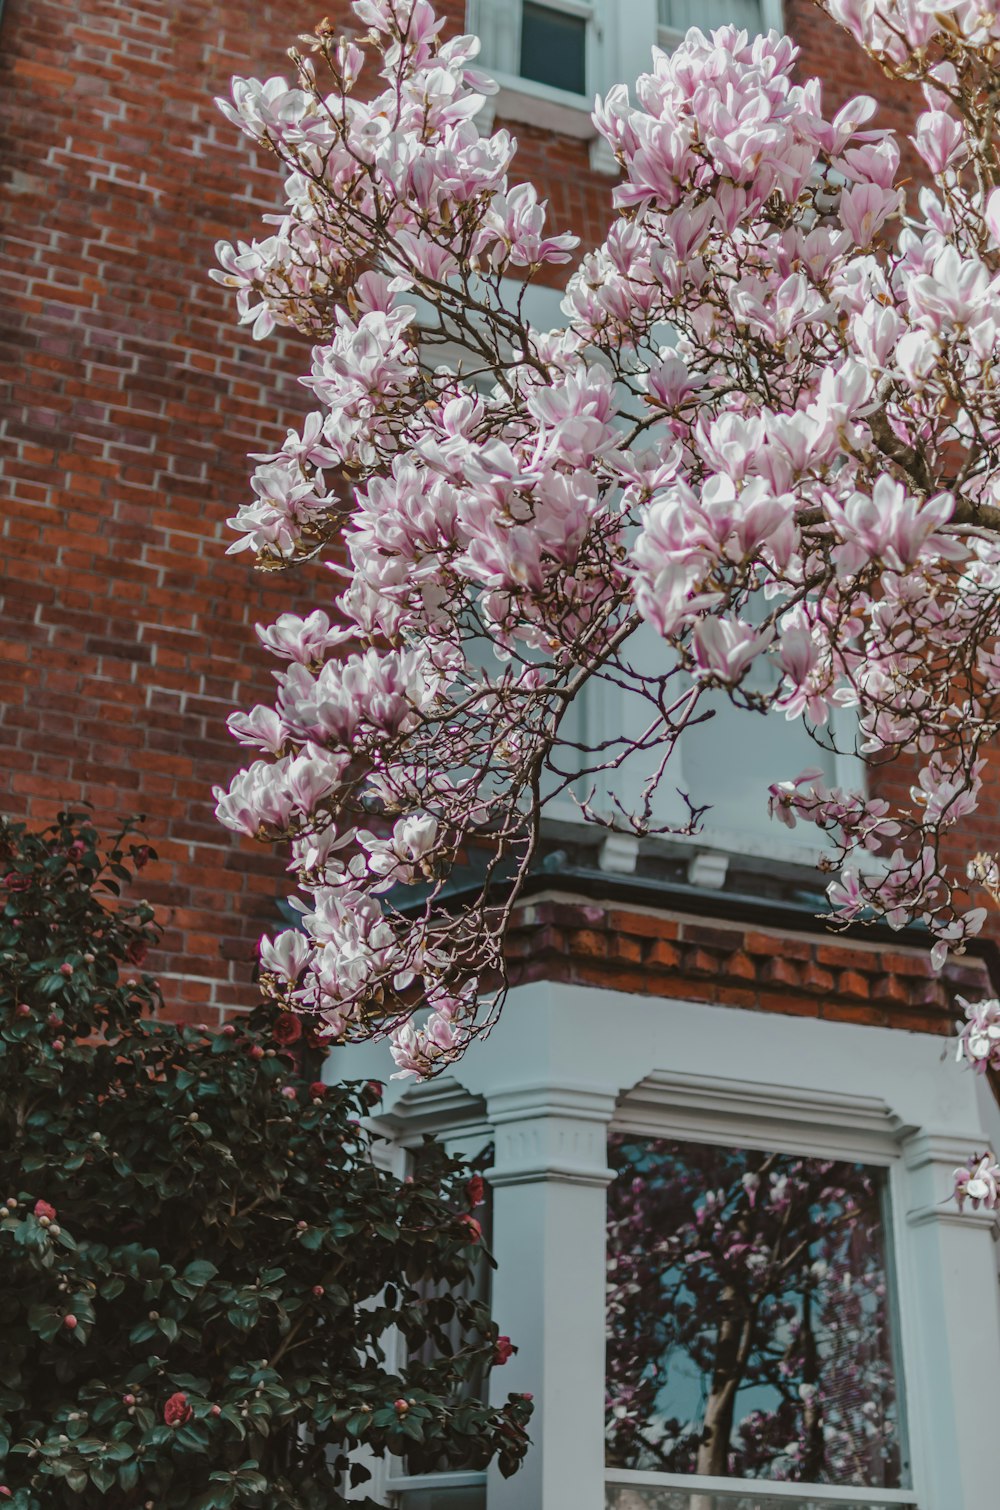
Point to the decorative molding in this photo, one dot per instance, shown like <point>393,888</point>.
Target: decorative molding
<point>439,1106</point>
<point>923,1148</point>
<point>947,1214</point>
<point>556,1134</point>
<point>583,1103</point>
<point>619,854</point>
<point>708,868</point>
<point>747,1114</point>
<point>525,102</point>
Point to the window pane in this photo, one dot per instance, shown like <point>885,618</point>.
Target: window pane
<point>553,48</point>
<point>678,15</point>
<point>748,1317</point>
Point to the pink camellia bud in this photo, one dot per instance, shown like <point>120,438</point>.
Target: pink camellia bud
<point>289,1092</point>
<point>66,970</point>
<point>318,1291</point>
<point>503,1349</point>
<point>54,1020</point>
<point>228,1031</point>
<point>23,1010</point>
<point>474,1227</point>
<point>216,1410</point>
<point>70,1323</point>
<point>401,1406</point>
<point>128,1399</point>
<point>256,1052</point>
<point>301,1226</point>
<point>44,1211</point>
<point>5,1493</point>
<point>58,1045</point>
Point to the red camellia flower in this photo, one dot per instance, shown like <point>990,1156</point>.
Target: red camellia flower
<point>503,1349</point>
<point>475,1229</point>
<point>288,1028</point>
<point>42,1208</point>
<point>476,1190</point>
<point>177,1411</point>
<point>317,1090</point>
<point>16,881</point>
<point>140,856</point>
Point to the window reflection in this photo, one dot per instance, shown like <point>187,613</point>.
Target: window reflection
<point>748,1317</point>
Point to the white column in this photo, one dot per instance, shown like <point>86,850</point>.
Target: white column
<point>954,1273</point>
<point>549,1238</point>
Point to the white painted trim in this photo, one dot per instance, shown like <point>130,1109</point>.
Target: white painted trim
<point>561,1053</point>
<point>774,1118</point>
<point>550,109</point>
<point>434,1481</point>
<point>741,1489</point>
<point>432,1108</point>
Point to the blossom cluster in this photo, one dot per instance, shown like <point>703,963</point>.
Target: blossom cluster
<point>766,433</point>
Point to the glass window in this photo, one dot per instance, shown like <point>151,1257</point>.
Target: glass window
<point>553,48</point>
<point>749,1330</point>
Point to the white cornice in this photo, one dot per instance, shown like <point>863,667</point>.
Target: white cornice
<point>747,1113</point>
<point>438,1106</point>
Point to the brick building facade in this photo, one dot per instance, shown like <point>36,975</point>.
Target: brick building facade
<point>130,400</point>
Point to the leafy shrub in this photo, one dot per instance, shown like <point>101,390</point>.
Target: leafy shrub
<point>201,1260</point>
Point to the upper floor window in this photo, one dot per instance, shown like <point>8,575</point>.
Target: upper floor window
<point>547,42</point>
<point>749,1324</point>
<point>553,47</point>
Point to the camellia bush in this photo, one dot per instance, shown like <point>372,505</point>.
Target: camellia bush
<point>759,460</point>
<point>203,1267</point>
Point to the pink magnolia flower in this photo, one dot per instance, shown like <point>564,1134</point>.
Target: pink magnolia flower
<point>979,1183</point>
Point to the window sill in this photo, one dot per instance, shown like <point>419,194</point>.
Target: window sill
<point>470,1480</point>
<point>523,101</point>
<point>747,1494</point>
<point>541,105</point>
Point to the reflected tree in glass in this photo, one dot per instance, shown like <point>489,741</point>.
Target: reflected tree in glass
<point>748,1316</point>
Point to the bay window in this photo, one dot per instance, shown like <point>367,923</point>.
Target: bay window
<point>750,1332</point>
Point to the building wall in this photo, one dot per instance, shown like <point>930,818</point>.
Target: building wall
<point>130,400</point>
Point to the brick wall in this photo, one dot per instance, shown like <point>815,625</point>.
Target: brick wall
<point>129,402</point>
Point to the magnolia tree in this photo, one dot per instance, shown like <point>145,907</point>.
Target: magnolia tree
<point>766,436</point>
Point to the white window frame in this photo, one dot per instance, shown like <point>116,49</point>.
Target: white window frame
<point>620,38</point>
